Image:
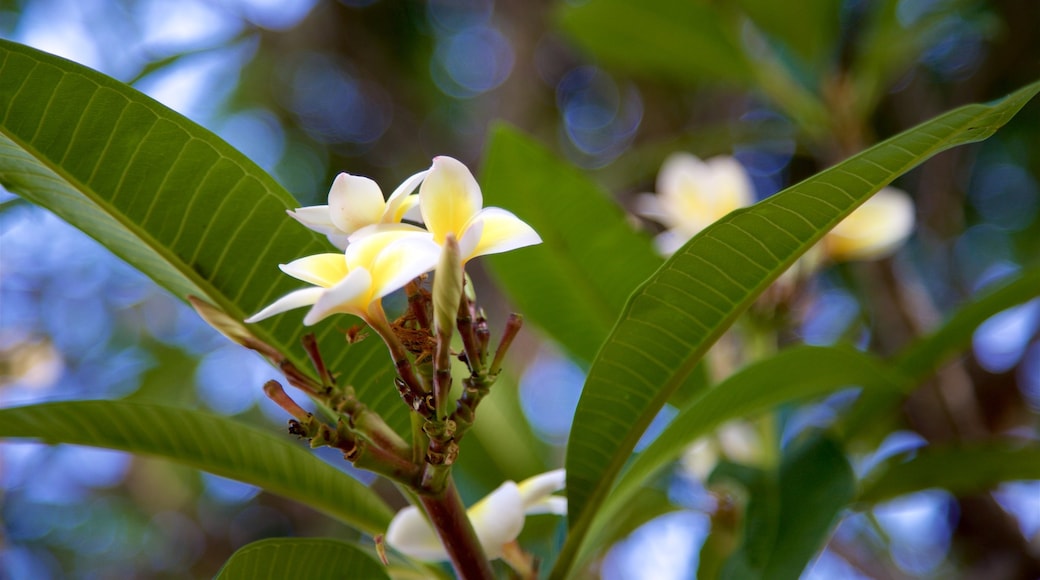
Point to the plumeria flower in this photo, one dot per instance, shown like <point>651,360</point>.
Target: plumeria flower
<point>354,282</point>
<point>692,194</point>
<point>497,519</point>
<point>356,202</point>
<point>450,202</point>
<point>736,441</point>
<point>874,230</point>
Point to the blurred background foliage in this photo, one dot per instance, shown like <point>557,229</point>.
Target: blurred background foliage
<point>309,88</point>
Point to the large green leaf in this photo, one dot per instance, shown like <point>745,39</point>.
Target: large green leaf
<point>208,442</point>
<point>790,515</point>
<point>170,198</point>
<point>311,558</point>
<point>575,283</point>
<point>961,470</point>
<point>803,371</point>
<point>684,40</point>
<point>672,319</point>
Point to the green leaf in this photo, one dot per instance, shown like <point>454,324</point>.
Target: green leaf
<point>927,354</point>
<point>673,318</point>
<point>310,558</point>
<point>170,198</point>
<point>575,283</point>
<point>688,41</point>
<point>961,470</point>
<point>790,518</point>
<point>807,371</point>
<point>204,441</point>
<point>808,27</point>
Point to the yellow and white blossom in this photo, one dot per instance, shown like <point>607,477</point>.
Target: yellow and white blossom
<point>497,519</point>
<point>692,194</point>
<point>451,202</point>
<point>874,230</point>
<point>356,202</point>
<point>354,282</point>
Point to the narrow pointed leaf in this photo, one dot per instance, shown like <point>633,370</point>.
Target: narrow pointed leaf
<point>310,558</point>
<point>672,319</point>
<point>797,373</point>
<point>574,284</point>
<point>204,441</point>
<point>962,470</point>
<point>169,197</point>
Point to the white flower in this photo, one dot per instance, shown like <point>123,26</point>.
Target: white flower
<point>692,194</point>
<point>497,519</point>
<point>356,202</point>
<point>874,230</point>
<point>354,282</point>
<point>451,202</point>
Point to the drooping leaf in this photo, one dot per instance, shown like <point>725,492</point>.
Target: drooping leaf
<point>311,558</point>
<point>684,40</point>
<point>204,441</point>
<point>791,514</point>
<point>961,470</point>
<point>797,373</point>
<point>575,283</point>
<point>169,197</point>
<point>672,319</point>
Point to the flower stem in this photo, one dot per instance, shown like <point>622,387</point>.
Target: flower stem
<point>448,517</point>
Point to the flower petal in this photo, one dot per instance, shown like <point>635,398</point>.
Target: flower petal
<point>368,242</point>
<point>498,518</point>
<point>554,505</point>
<point>355,202</point>
<point>875,229</point>
<point>541,486</point>
<point>448,197</point>
<point>349,296</point>
<point>411,534</point>
<point>400,201</point>
<point>323,270</point>
<point>295,299</point>
<point>502,231</point>
<point>402,261</point>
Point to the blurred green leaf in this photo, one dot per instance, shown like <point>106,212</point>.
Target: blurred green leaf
<point>310,558</point>
<point>961,470</point>
<point>690,41</point>
<point>799,372</point>
<point>172,199</point>
<point>808,27</point>
<point>575,283</point>
<point>927,354</point>
<point>789,518</point>
<point>673,318</point>
<point>204,441</point>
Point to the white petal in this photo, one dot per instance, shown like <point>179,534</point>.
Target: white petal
<point>502,231</point>
<point>731,186</point>
<point>448,198</point>
<point>295,299</point>
<point>323,270</point>
<point>678,172</point>
<point>875,229</point>
<point>355,202</point>
<point>350,296</point>
<point>402,261</point>
<point>411,534</point>
<point>668,242</point>
<point>554,505</point>
<point>541,486</point>
<point>498,518</point>
<point>649,206</point>
<point>400,201</point>
<point>316,217</point>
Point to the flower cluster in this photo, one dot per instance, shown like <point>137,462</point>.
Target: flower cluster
<point>382,253</point>
<point>692,194</point>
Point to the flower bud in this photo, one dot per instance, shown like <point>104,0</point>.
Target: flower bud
<point>447,287</point>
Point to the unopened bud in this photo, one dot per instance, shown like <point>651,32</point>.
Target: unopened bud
<point>447,287</point>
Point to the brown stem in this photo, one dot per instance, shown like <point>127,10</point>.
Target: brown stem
<point>469,338</point>
<point>409,386</point>
<point>449,518</point>
<point>513,326</point>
